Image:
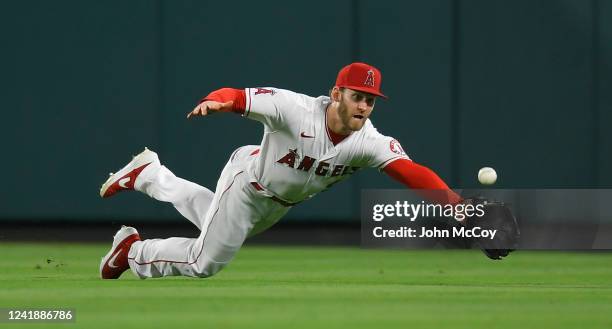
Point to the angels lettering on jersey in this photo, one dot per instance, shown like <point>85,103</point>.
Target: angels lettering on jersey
<point>322,168</point>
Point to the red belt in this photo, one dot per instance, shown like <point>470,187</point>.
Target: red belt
<point>282,202</point>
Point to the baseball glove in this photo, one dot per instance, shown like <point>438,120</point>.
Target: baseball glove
<point>497,216</point>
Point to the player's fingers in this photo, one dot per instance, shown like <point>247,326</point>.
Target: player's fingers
<point>193,112</point>
<point>198,110</point>
<point>204,110</point>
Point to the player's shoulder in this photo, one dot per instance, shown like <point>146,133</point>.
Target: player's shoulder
<point>366,137</point>
<point>379,146</point>
<point>281,95</point>
<point>369,131</point>
<point>305,102</point>
<point>370,136</point>
<point>270,92</point>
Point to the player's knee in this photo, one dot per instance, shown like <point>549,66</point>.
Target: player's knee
<point>207,268</point>
<point>244,151</point>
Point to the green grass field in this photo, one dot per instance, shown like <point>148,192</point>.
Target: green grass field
<point>289,287</point>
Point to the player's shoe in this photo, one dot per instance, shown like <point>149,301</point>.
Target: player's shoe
<point>116,261</point>
<point>125,178</point>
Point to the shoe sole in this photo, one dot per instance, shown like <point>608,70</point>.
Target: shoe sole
<point>145,157</point>
<point>123,234</point>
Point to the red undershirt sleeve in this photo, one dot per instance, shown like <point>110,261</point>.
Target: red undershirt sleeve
<point>423,179</point>
<point>229,94</point>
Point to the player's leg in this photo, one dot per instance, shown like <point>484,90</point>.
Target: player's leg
<point>146,174</point>
<point>235,209</point>
<point>190,199</point>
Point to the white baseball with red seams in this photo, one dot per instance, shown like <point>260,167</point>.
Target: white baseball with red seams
<point>296,159</point>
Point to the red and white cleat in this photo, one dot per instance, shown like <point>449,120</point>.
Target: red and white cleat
<point>116,261</point>
<point>125,178</point>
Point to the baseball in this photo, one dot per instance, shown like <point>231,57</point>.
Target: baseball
<point>487,176</point>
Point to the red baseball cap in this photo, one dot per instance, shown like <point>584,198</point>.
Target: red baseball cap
<point>361,77</point>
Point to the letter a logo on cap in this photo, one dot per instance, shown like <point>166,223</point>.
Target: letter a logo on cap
<point>370,79</point>
<point>361,77</point>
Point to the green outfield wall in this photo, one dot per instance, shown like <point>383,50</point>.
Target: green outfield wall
<point>523,86</point>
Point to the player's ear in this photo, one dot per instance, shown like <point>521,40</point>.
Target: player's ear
<point>335,94</point>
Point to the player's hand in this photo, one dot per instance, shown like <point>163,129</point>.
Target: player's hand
<point>210,107</point>
<point>499,217</point>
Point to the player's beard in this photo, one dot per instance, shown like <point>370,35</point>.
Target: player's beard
<point>347,118</point>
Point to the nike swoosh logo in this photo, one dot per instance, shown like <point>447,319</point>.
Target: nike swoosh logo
<point>111,262</point>
<point>306,136</point>
<point>124,181</point>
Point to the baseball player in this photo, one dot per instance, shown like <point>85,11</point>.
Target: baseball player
<point>308,145</point>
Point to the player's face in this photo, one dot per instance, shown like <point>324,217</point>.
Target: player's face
<point>355,108</point>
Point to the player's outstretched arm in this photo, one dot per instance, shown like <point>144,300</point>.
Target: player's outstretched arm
<point>221,100</point>
<point>432,187</point>
<point>422,179</point>
<point>210,107</point>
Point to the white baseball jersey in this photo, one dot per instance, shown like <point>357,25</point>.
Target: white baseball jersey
<point>297,157</point>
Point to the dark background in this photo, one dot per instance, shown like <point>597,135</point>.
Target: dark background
<point>522,86</point>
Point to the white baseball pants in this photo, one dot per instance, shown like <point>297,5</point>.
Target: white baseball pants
<point>224,218</point>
